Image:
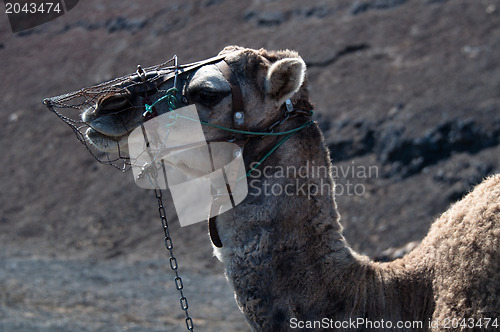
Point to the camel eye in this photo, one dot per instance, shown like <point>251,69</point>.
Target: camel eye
<point>208,97</point>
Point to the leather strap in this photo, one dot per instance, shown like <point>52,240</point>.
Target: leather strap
<point>237,106</point>
<point>156,77</point>
<point>214,234</point>
<point>237,98</point>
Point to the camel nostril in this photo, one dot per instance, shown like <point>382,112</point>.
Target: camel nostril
<point>112,103</point>
<point>110,114</point>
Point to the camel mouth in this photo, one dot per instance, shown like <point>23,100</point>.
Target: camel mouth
<point>109,125</point>
<point>106,143</point>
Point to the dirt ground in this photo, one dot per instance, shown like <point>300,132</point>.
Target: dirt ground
<point>409,87</point>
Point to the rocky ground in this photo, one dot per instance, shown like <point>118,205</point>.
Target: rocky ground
<point>410,88</point>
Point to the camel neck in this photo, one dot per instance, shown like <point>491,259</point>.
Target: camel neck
<point>287,229</point>
<point>283,245</point>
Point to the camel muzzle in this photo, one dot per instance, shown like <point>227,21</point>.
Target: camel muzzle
<point>116,101</point>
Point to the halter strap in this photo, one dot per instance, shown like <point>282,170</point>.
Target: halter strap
<point>151,80</point>
<point>237,97</point>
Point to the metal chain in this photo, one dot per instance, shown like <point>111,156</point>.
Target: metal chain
<point>279,122</point>
<point>289,113</point>
<point>153,172</point>
<point>173,261</point>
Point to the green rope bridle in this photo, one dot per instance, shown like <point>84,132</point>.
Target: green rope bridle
<point>171,98</point>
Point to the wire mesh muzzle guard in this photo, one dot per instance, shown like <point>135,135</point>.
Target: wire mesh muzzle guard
<point>147,83</point>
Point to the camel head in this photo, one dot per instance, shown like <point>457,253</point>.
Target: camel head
<point>264,80</point>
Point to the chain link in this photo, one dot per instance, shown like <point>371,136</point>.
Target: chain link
<point>279,122</point>
<point>173,261</point>
<point>289,113</point>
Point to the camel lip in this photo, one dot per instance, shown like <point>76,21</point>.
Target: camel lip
<point>94,132</point>
<point>105,143</point>
<point>107,125</point>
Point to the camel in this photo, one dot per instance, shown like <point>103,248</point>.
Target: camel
<point>284,254</point>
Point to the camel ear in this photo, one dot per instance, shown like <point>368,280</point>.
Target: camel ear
<point>284,78</point>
